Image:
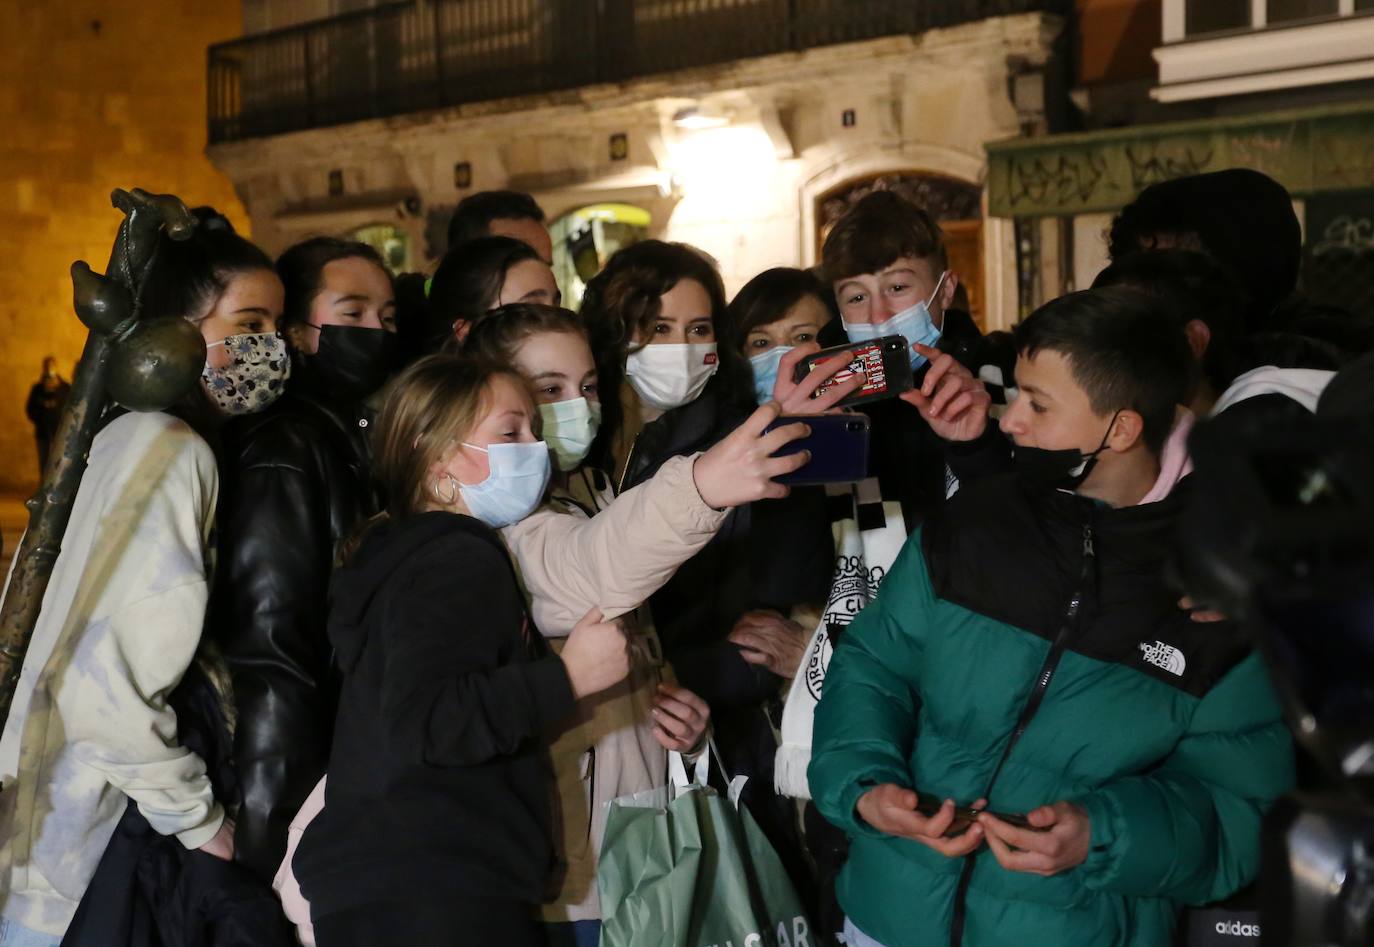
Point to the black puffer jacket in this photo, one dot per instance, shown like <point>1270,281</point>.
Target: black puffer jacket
<point>294,483</point>
<point>769,554</point>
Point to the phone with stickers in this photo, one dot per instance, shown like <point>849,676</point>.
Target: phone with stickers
<point>885,363</point>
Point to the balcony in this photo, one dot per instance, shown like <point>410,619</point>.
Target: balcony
<point>428,54</point>
<point>1217,48</point>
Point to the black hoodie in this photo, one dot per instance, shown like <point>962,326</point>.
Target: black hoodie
<point>438,778</point>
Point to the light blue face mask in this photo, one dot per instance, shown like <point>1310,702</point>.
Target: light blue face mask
<point>765,366</point>
<point>914,324</point>
<point>519,475</point>
<point>569,429</point>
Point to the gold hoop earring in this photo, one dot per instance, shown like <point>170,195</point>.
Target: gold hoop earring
<point>452,490</point>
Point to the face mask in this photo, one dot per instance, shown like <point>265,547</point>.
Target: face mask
<point>668,376</point>
<point>765,368</point>
<point>355,360</point>
<point>569,429</point>
<point>254,379</point>
<point>1057,469</point>
<point>519,475</point>
<point>914,324</point>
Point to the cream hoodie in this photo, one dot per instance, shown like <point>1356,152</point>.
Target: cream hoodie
<point>120,623</point>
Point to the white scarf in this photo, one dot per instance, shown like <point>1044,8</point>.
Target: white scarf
<point>867,540</point>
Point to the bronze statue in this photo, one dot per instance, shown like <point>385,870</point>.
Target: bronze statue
<point>142,364</point>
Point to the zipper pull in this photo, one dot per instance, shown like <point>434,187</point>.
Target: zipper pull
<point>1087,541</point>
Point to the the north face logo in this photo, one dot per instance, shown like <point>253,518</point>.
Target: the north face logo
<point>1165,656</point>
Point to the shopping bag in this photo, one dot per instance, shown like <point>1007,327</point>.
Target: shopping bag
<point>684,866</point>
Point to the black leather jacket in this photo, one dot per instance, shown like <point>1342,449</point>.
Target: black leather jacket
<point>294,483</point>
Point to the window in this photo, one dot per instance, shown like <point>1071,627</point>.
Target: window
<point>1283,11</point>
<point>584,239</point>
<point>392,243</point>
<point>1212,16</point>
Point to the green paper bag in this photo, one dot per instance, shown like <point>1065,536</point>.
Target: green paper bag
<point>683,866</point>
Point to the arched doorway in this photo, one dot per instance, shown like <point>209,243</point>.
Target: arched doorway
<point>956,205</point>
<point>584,239</point>
<point>390,241</point>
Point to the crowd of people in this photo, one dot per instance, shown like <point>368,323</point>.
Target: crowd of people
<point>356,644</point>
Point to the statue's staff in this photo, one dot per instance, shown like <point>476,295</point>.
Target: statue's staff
<point>143,364</point>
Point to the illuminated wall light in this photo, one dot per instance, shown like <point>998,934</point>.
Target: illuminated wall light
<point>694,119</point>
<point>722,170</point>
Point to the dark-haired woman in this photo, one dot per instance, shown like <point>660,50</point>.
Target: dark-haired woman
<point>95,724</point>
<point>476,277</point>
<point>671,383</point>
<point>296,482</point>
<point>773,314</point>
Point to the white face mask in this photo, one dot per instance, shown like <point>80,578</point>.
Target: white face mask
<point>668,376</point>
<point>569,429</point>
<point>915,324</point>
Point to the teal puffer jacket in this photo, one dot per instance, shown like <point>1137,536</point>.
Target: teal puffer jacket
<point>1166,731</point>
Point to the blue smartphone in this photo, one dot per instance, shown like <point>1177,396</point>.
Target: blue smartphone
<point>838,444</point>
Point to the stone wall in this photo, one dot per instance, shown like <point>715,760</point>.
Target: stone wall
<point>94,95</point>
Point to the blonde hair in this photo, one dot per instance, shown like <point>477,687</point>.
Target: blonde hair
<point>434,403</point>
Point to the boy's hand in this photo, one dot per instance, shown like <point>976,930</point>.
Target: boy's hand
<point>892,810</point>
<point>1058,841</point>
<point>953,402</point>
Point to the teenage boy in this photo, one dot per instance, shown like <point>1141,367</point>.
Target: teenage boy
<point>1024,656</point>
<point>501,214</point>
<point>885,261</point>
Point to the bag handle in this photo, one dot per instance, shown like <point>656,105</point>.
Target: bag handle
<point>678,780</point>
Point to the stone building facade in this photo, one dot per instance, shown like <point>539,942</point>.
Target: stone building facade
<point>746,159</point>
<point>94,95</point>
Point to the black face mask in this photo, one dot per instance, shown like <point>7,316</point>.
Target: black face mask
<point>1058,469</point>
<point>355,360</point>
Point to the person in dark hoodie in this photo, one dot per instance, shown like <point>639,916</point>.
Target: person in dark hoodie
<point>296,481</point>
<point>1241,217</point>
<point>436,827</point>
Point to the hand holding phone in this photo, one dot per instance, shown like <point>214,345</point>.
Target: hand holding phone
<point>800,392</point>
<point>893,810</point>
<point>838,447</point>
<point>965,816</point>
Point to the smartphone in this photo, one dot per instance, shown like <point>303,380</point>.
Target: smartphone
<point>838,444</point>
<point>964,817</point>
<point>885,362</point>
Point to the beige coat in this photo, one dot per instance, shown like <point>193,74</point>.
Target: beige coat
<point>571,562</point>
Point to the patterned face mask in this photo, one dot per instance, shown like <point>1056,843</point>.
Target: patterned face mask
<point>254,379</point>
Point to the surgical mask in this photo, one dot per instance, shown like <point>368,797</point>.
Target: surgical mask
<point>1057,469</point>
<point>914,324</point>
<point>765,366</point>
<point>667,376</point>
<point>254,379</point>
<point>569,429</point>
<point>519,475</point>
<point>354,360</point>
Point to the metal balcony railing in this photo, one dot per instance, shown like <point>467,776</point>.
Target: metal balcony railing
<point>425,54</point>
